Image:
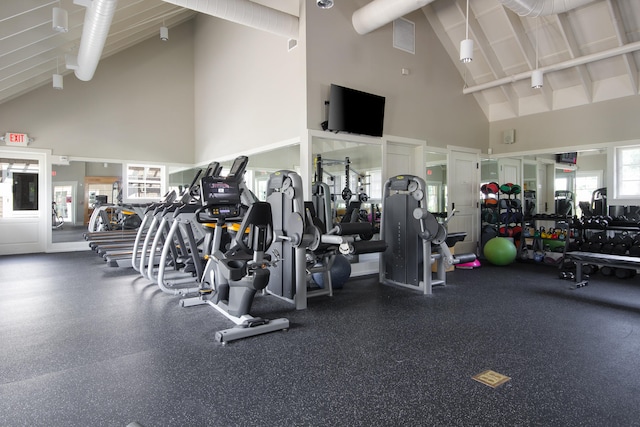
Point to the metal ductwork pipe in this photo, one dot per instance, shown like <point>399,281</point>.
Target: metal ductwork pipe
<point>247,13</point>
<point>97,20</point>
<point>380,12</point>
<point>542,7</point>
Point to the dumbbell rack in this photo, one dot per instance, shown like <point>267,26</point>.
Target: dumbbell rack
<point>608,237</point>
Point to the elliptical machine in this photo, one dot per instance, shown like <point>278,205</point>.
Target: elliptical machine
<point>232,277</point>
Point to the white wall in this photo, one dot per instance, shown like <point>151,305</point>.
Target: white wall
<point>138,106</point>
<point>250,89</point>
<point>428,104</point>
<point>600,123</point>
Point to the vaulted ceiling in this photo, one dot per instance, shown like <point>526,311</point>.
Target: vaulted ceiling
<point>588,54</point>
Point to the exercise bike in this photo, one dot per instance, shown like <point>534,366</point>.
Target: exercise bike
<point>232,277</point>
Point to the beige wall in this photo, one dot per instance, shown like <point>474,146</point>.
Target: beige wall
<point>600,123</point>
<point>426,104</point>
<point>250,89</point>
<point>138,106</point>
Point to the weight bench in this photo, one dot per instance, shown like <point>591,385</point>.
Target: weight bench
<point>616,261</point>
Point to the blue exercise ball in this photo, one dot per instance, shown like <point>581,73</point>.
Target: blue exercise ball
<point>500,251</point>
<point>340,273</point>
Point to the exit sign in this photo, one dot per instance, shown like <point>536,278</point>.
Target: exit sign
<point>16,139</point>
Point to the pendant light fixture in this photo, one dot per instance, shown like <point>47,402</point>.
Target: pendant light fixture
<point>57,78</point>
<point>537,76</point>
<point>60,20</point>
<point>466,45</point>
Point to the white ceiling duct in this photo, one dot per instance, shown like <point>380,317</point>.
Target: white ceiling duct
<point>380,12</point>
<point>247,13</point>
<point>542,7</point>
<point>97,20</point>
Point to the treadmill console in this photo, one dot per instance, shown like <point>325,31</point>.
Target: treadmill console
<point>221,197</point>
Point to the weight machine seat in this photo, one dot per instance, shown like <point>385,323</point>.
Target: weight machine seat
<point>246,246</point>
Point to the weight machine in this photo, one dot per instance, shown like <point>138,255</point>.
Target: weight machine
<point>306,243</point>
<point>416,240</point>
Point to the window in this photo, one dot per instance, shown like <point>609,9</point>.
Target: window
<point>19,190</point>
<point>25,191</point>
<point>586,183</point>
<point>627,172</point>
<point>145,183</point>
<point>561,184</point>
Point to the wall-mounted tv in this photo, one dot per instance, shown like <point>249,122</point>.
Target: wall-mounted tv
<point>570,158</point>
<point>354,111</point>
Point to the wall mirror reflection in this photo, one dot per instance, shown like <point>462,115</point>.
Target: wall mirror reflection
<point>571,184</point>
<point>436,181</point>
<point>353,173</point>
<point>77,188</point>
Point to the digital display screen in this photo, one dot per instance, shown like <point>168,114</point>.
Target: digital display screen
<point>218,191</point>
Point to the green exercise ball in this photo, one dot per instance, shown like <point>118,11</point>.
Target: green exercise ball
<point>500,251</point>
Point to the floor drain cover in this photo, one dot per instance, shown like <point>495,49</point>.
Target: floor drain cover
<point>491,378</point>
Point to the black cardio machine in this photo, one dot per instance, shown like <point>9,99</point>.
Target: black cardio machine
<point>232,276</point>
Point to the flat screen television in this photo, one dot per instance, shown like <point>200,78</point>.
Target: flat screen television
<point>354,111</point>
<point>570,158</point>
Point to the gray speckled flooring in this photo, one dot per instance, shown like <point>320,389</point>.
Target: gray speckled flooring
<point>83,344</point>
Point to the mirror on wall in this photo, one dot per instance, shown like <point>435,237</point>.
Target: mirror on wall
<point>76,189</point>
<point>550,187</point>
<point>564,191</point>
<point>353,172</point>
<point>259,168</point>
<point>436,181</point>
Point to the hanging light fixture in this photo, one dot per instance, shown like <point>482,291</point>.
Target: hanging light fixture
<point>537,76</point>
<point>60,20</point>
<point>164,33</point>
<point>466,45</point>
<point>57,78</point>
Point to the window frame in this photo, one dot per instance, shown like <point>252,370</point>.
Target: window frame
<point>615,170</point>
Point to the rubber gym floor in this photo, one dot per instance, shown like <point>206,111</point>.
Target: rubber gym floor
<point>84,344</point>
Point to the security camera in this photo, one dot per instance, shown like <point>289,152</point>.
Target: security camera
<point>324,4</point>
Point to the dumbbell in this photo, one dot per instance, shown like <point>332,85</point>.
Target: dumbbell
<point>590,269</point>
<point>607,271</point>
<point>595,247</point>
<point>567,275</point>
<point>607,248</point>
<point>625,273</point>
<point>574,246</point>
<point>620,249</point>
<point>634,250</point>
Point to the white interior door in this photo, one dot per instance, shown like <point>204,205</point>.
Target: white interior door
<point>24,209</point>
<point>510,171</point>
<point>463,178</point>
<point>402,159</point>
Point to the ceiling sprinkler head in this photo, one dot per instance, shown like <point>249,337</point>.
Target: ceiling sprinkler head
<point>324,4</point>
